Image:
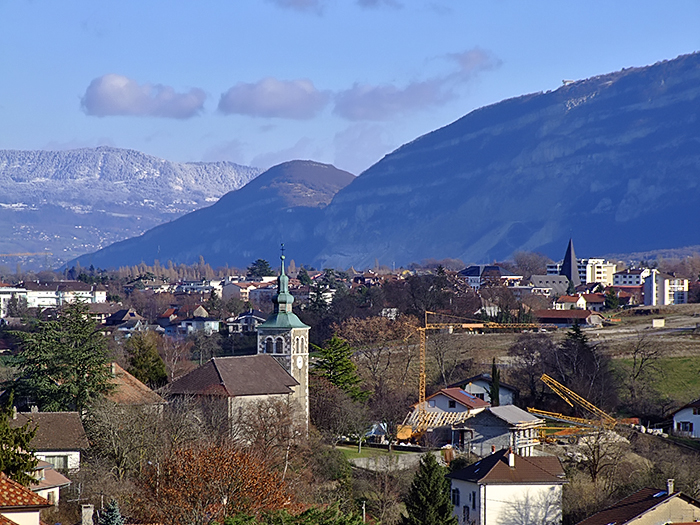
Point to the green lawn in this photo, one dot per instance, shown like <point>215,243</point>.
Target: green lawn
<point>680,377</point>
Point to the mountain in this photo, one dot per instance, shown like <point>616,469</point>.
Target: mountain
<point>71,202</point>
<point>612,161</point>
<point>278,206</point>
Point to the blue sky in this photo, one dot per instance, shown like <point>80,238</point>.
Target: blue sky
<point>260,82</point>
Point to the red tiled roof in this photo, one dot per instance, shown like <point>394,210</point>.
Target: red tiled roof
<point>527,470</point>
<point>568,299</point>
<point>594,297</point>
<point>633,506</point>
<point>462,397</point>
<point>14,495</point>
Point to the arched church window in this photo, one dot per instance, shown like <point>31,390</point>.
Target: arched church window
<point>268,345</point>
<point>279,346</point>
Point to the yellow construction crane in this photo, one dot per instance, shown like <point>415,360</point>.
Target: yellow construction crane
<point>420,419</point>
<point>600,419</point>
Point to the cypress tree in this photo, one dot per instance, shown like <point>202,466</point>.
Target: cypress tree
<point>428,501</point>
<point>495,391</point>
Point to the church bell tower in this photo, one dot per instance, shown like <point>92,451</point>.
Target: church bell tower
<point>286,338</point>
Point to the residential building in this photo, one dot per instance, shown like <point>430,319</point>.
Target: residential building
<point>480,386</point>
<point>60,437</point>
<point>661,289</point>
<point>649,506</point>
<point>508,488</point>
<point>558,284</point>
<point>686,420</point>
<point>19,505</point>
<point>238,290</point>
<point>501,427</point>
<point>55,294</point>
<point>570,302</point>
<point>8,292</point>
<point>479,275</point>
<point>48,482</point>
<point>582,271</point>
<point>631,277</point>
<point>247,322</point>
<point>129,391</point>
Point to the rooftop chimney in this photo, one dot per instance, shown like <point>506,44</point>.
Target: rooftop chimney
<point>86,515</point>
<point>669,486</point>
<point>511,458</point>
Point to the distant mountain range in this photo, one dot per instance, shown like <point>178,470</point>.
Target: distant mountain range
<point>612,161</point>
<point>71,202</point>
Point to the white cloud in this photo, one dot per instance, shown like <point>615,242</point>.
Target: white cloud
<point>382,102</point>
<point>111,95</point>
<point>386,101</point>
<point>301,5</point>
<point>292,99</point>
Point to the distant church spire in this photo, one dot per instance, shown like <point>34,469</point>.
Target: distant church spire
<point>569,267</point>
<point>283,300</point>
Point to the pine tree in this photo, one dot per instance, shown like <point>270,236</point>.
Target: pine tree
<point>145,363</point>
<point>428,501</point>
<point>336,365</point>
<point>16,458</point>
<point>63,365</point>
<point>111,514</point>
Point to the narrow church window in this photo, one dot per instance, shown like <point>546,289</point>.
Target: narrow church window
<point>279,346</point>
<point>268,346</point>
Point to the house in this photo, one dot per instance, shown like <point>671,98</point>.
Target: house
<point>558,284</point>
<point>570,302</point>
<point>501,427</point>
<point>7,293</point>
<point>54,294</point>
<point>129,391</point>
<point>227,384</point>
<point>122,316</point>
<point>661,289</point>
<point>238,290</point>
<point>508,488</point>
<point>649,506</point>
<point>19,505</point>
<point>595,302</point>
<point>686,420</point>
<point>60,437</point>
<point>480,386</point>
<point>564,318</point>
<point>247,322</point>
<point>49,482</point>
<point>479,275</point>
<point>444,408</point>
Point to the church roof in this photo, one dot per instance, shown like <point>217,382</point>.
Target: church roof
<point>248,375</point>
<point>282,316</point>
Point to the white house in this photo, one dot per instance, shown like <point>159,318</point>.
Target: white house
<point>48,482</point>
<point>570,302</point>
<point>507,488</point>
<point>631,277</point>
<point>54,294</point>
<point>686,420</point>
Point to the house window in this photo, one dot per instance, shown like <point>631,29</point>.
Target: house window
<point>431,403</point>
<point>455,497</point>
<point>452,404</point>
<point>474,500</point>
<point>683,426</point>
<point>58,462</point>
<point>465,514</point>
<point>480,396</point>
<point>696,411</point>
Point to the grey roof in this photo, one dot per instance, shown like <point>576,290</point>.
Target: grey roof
<point>236,376</point>
<point>54,430</point>
<point>514,415</point>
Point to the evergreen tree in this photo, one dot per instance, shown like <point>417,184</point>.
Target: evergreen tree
<point>303,277</point>
<point>145,363</point>
<point>111,514</point>
<point>16,458</point>
<point>571,289</point>
<point>428,501</point>
<point>611,300</point>
<point>336,365</point>
<point>260,268</point>
<point>495,391</point>
<point>63,364</point>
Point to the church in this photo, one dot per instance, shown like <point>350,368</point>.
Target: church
<point>279,370</point>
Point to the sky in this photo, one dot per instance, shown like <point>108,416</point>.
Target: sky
<point>260,82</point>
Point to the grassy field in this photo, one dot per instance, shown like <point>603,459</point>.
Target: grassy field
<point>679,379</point>
<point>367,452</point>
